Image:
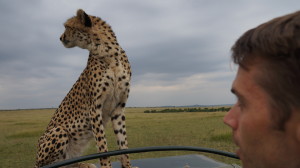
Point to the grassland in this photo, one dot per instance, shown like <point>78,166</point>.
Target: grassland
<point>20,130</point>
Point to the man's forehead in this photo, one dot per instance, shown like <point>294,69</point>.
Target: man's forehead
<point>245,81</point>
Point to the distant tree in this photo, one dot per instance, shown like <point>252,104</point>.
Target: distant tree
<point>199,109</point>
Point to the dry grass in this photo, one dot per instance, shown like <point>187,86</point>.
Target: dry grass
<point>21,129</point>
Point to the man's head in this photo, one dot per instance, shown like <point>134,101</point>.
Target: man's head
<point>266,118</point>
<point>277,45</point>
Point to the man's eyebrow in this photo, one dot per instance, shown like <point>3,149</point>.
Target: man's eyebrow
<point>233,91</point>
<point>238,95</point>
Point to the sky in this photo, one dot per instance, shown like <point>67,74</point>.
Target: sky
<point>179,50</point>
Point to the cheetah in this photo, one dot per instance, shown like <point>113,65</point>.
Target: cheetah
<point>99,95</point>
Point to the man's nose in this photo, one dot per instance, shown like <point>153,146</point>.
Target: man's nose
<point>231,118</point>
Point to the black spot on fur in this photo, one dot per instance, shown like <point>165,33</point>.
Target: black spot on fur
<point>58,145</point>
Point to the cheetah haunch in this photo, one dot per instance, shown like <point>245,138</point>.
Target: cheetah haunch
<point>99,95</point>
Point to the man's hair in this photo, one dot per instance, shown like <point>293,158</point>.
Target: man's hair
<point>276,44</point>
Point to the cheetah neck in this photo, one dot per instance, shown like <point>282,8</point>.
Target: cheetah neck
<point>116,59</point>
<point>102,58</point>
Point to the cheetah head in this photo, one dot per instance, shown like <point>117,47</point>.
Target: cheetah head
<point>77,30</point>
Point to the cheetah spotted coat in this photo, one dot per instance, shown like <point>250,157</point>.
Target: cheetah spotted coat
<point>99,95</point>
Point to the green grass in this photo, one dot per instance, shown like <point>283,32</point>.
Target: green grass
<point>21,129</point>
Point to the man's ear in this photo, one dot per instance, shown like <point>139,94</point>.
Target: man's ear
<point>84,18</point>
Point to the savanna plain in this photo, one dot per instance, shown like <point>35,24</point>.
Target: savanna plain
<point>21,129</point>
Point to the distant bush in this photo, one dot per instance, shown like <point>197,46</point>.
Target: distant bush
<point>178,110</point>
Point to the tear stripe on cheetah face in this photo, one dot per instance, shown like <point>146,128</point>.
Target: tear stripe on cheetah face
<point>98,96</point>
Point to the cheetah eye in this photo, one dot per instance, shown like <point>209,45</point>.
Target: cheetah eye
<point>67,27</point>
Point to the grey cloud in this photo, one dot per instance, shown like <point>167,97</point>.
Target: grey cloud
<point>169,40</point>
<point>178,57</point>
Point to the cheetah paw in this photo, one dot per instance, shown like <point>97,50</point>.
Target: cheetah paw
<point>86,165</point>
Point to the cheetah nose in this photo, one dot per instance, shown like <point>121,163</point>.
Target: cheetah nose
<point>62,37</point>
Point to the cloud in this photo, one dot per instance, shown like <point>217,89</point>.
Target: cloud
<point>201,88</point>
<point>179,50</point>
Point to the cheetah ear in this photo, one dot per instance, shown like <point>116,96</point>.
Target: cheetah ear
<point>84,18</point>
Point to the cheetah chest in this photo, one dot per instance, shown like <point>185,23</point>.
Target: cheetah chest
<point>116,89</point>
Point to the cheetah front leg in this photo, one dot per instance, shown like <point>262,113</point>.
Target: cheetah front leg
<point>118,122</point>
<point>99,134</point>
<point>81,165</point>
